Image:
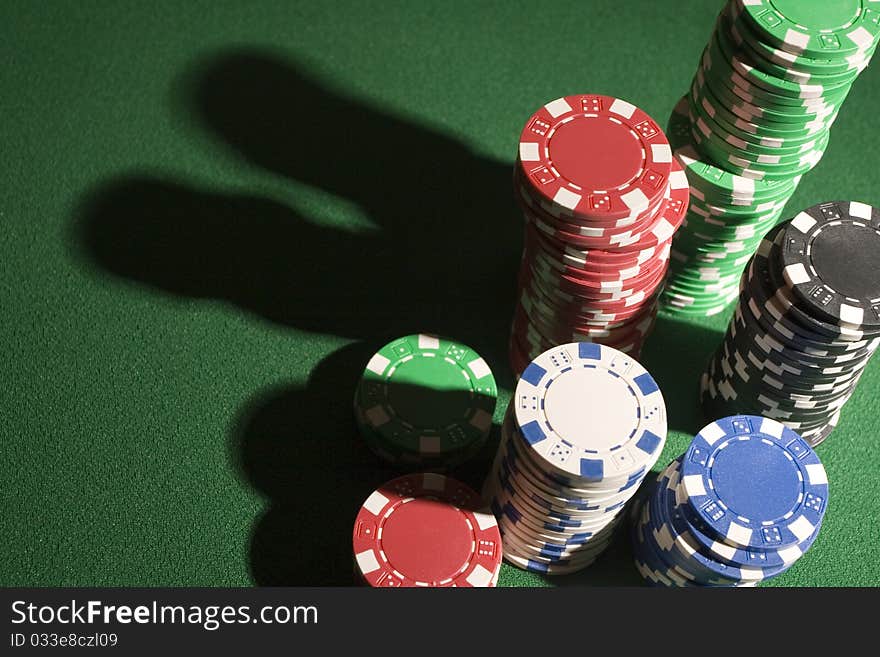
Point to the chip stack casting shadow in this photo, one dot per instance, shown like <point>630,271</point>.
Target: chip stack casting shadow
<point>425,530</point>
<point>807,322</point>
<point>739,507</point>
<point>767,90</point>
<point>426,402</point>
<point>602,197</point>
<point>585,424</point>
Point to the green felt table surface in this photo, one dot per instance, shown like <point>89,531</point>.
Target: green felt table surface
<point>214,212</point>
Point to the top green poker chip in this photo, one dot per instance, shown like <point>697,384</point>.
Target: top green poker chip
<point>816,28</point>
<point>428,396</point>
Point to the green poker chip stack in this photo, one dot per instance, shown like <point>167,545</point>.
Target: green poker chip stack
<point>425,402</point>
<point>757,117</point>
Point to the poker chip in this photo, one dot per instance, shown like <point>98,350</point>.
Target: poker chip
<point>806,324</point>
<point>584,426</point>
<point>602,197</point>
<point>426,530</point>
<point>814,27</point>
<point>633,168</point>
<point>768,88</point>
<point>830,255</point>
<point>740,506</point>
<point>425,400</point>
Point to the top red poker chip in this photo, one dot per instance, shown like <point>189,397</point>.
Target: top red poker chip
<point>426,530</point>
<point>595,156</point>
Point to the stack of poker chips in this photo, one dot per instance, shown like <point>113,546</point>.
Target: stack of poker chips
<point>602,197</point>
<point>425,530</point>
<point>768,88</point>
<point>741,506</point>
<point>425,401</point>
<point>584,426</point>
<point>807,322</point>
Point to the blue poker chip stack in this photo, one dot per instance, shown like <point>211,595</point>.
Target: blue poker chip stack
<point>740,506</point>
<point>585,425</point>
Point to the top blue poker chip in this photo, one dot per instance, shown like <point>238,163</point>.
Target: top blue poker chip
<point>755,482</point>
<point>590,413</point>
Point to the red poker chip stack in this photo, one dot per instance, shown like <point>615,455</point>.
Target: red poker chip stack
<point>602,196</point>
<point>426,530</point>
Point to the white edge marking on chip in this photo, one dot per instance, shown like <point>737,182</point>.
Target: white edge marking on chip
<point>664,230</point>
<point>750,574</point>
<point>725,550</point>
<point>529,151</point>
<point>743,125</point>
<point>860,210</point>
<point>367,561</point>
<point>810,90</point>
<point>816,473</point>
<point>479,367</point>
<point>378,363</point>
<point>796,39</point>
<point>803,222</point>
<point>678,180</point>
<point>743,185</point>
<point>622,108</point>
<point>686,545</point>
<point>785,56</point>
<point>481,420</point>
<point>480,577</point>
<point>802,528</point>
<point>429,444</point>
<point>797,273</point>
<point>635,298</point>
<point>772,427</point>
<point>712,433</point>
<point>661,152</point>
<point>635,200</point>
<point>485,520</point>
<point>739,534</point>
<point>375,503</point>
<point>858,61</point>
<point>790,554</point>
<point>693,486</point>
<point>851,314</point>
<point>680,495</point>
<point>433,481</point>
<point>428,341</point>
<point>708,108</point>
<point>664,538</point>
<point>558,107</point>
<point>861,37</point>
<point>376,416</point>
<point>567,199</point>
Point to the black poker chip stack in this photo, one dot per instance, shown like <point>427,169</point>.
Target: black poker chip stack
<point>807,322</point>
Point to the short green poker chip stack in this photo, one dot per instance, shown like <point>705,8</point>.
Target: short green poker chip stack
<point>757,117</point>
<point>425,401</point>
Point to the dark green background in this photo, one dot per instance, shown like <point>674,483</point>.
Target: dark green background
<point>213,212</point>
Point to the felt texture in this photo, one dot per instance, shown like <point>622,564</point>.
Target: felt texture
<point>214,212</point>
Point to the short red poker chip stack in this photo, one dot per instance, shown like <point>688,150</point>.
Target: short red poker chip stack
<point>602,197</point>
<point>426,530</point>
